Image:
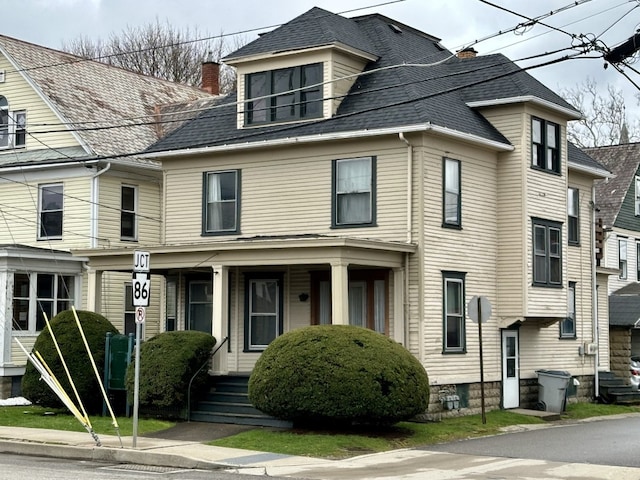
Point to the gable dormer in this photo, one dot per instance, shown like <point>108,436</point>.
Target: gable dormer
<point>299,71</point>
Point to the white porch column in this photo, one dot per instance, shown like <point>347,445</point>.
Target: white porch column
<point>340,293</point>
<point>94,290</point>
<point>399,319</point>
<point>220,321</point>
<point>6,298</point>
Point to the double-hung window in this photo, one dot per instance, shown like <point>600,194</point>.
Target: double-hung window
<point>637,196</point>
<point>573,214</point>
<point>285,94</point>
<point>38,294</point>
<point>263,310</point>
<point>454,312</point>
<point>547,253</point>
<point>622,257</point>
<point>568,325</point>
<point>13,126</point>
<point>354,192</point>
<point>451,197</point>
<point>221,211</point>
<point>128,216</point>
<point>545,145</point>
<point>50,212</point>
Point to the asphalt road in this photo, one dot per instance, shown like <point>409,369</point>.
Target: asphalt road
<point>605,442</point>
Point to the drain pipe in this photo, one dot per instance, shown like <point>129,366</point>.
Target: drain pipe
<point>95,200</point>
<point>409,232</point>
<point>594,294</point>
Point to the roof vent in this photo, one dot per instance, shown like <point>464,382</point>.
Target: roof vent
<point>395,28</point>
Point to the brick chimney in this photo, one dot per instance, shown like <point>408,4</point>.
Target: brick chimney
<point>211,77</point>
<point>468,52</point>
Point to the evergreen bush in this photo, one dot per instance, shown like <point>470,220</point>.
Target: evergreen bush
<point>168,361</point>
<point>338,375</point>
<point>74,352</point>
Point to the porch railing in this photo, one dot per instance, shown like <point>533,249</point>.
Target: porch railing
<point>226,339</point>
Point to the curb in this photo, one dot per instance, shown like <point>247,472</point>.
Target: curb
<point>106,455</point>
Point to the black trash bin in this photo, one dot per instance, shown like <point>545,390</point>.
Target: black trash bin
<point>552,390</point>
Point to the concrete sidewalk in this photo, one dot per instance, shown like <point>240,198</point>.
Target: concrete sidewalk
<point>396,464</point>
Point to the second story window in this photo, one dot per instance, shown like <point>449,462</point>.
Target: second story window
<point>622,258</point>
<point>221,212</point>
<point>573,214</point>
<point>547,253</point>
<point>4,122</point>
<point>545,145</point>
<point>353,192</point>
<point>283,95</point>
<point>451,200</point>
<point>637,196</point>
<point>128,217</point>
<point>50,206</point>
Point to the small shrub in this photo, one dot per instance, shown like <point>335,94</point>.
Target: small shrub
<point>75,355</point>
<point>338,375</point>
<point>167,363</point>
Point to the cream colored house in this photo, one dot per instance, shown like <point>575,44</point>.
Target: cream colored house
<point>69,178</point>
<point>364,174</point>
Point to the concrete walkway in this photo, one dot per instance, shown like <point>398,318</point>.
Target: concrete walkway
<point>396,464</point>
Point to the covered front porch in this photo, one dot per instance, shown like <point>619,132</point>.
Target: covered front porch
<point>250,291</point>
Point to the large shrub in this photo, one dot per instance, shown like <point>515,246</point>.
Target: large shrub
<point>74,352</point>
<point>338,375</point>
<point>168,361</point>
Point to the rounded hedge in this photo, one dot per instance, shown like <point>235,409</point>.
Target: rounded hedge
<point>338,375</point>
<point>168,361</point>
<point>74,352</point>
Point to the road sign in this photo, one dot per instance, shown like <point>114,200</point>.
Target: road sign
<point>141,261</point>
<point>479,309</point>
<point>140,314</point>
<point>141,284</point>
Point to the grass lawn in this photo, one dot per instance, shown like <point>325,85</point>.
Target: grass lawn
<point>327,444</point>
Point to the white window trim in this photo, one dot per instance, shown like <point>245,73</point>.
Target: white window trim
<point>622,258</point>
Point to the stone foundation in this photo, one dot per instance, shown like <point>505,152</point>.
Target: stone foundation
<point>467,397</point>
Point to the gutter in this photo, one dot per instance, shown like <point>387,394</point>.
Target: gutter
<point>422,127</point>
<point>95,197</point>
<point>594,295</point>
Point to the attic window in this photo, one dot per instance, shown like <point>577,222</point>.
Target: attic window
<point>395,28</point>
<point>283,95</point>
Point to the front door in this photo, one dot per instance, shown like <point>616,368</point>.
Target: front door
<point>510,370</point>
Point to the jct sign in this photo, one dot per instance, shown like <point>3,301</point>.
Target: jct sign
<point>141,281</point>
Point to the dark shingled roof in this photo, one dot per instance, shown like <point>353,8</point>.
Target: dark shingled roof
<point>624,306</point>
<point>623,162</point>
<point>581,158</point>
<point>428,85</point>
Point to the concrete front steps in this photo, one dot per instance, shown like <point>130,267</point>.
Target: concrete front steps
<point>228,402</point>
<point>615,390</point>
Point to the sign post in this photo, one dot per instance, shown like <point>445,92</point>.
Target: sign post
<point>141,283</point>
<point>479,310</point>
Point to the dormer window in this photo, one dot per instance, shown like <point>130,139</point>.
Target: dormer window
<point>284,95</point>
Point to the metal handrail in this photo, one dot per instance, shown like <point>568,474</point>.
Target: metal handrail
<point>196,374</point>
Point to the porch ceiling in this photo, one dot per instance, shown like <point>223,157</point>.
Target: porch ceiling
<point>255,251</point>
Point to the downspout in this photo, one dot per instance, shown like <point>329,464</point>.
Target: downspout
<point>409,233</point>
<point>95,198</point>
<point>594,293</point>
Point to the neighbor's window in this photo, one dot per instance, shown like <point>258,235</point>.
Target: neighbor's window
<point>568,325</point>
<point>221,206</point>
<point>573,213</point>
<point>353,192</point>
<point>283,95</point>
<point>638,261</point>
<point>50,211</point>
<point>4,122</point>
<point>128,217</point>
<point>545,145</point>
<point>451,200</point>
<point>622,258</point>
<point>637,196</point>
<point>13,126</point>
<point>37,294</point>
<point>454,312</point>
<point>547,253</point>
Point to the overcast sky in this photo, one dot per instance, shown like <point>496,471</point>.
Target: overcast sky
<point>457,22</point>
